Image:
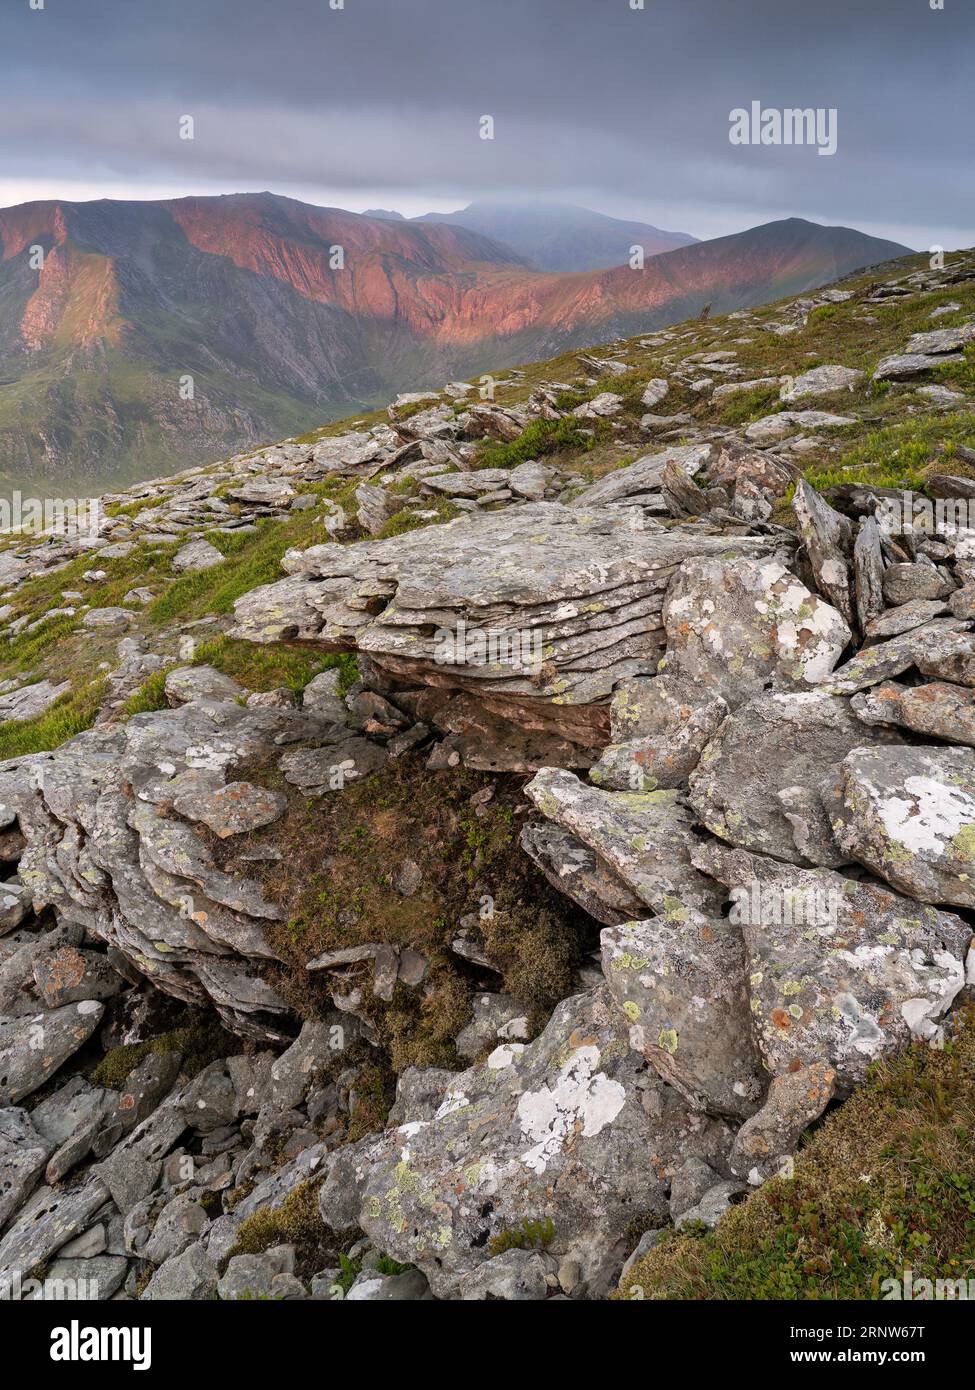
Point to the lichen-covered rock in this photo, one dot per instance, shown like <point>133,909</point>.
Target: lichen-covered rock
<point>660,727</point>
<point>909,814</point>
<point>188,683</point>
<point>745,786</point>
<point>680,984</point>
<point>33,1048</point>
<point>840,970</point>
<point>644,837</point>
<point>569,1130</point>
<point>196,555</point>
<point>640,482</point>
<point>940,648</point>
<point>734,624</point>
<point>23,1154</point>
<point>904,583</point>
<point>538,612</point>
<point>937,708</point>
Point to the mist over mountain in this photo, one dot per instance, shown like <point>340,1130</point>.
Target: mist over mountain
<point>560,236</point>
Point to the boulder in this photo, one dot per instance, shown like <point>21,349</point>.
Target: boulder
<point>680,984</point>
<point>734,624</point>
<point>840,970</point>
<point>559,1133</point>
<point>909,815</point>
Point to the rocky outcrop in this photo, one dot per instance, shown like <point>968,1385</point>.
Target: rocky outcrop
<point>537,613</point>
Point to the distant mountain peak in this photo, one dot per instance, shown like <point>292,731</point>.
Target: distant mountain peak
<point>562,236</point>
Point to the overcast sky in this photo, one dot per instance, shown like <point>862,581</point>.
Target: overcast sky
<point>377,104</point>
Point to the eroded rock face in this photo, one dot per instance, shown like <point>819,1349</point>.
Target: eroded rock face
<point>108,824</point>
<point>909,815</point>
<point>570,1129</point>
<point>538,613</point>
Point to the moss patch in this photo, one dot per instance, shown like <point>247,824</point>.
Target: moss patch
<point>341,857</point>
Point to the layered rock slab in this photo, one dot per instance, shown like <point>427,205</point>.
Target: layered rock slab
<point>539,610</point>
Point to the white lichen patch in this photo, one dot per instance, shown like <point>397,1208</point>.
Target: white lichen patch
<point>581,1101</point>
<point>933,815</point>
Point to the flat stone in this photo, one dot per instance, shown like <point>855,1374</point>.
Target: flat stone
<point>821,381</point>
<point>232,809</point>
<point>903,366</point>
<point>909,815</point>
<point>31,701</point>
<point>33,1048</point>
<point>188,683</point>
<point>786,422</point>
<point>196,555</point>
<point>107,619</point>
<point>320,770</point>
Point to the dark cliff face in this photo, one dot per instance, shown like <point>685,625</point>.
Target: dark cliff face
<point>276,316</point>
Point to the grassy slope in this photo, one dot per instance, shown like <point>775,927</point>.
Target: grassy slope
<point>888,1180</point>
<point>887,1183</point>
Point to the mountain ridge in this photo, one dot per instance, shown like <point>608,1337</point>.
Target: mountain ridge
<point>156,332</point>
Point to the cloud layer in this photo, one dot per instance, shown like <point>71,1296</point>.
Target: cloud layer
<point>378,103</point>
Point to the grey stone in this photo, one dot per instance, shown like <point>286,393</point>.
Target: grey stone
<point>33,1048</point>
<point>840,970</point>
<point>731,625</point>
<point>196,555</point>
<point>909,815</point>
<point>553,1130</point>
<point>189,1275</point>
<point>641,836</point>
<point>680,984</point>
<point>187,683</point>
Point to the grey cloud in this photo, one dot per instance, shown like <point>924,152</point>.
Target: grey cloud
<point>587,94</point>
